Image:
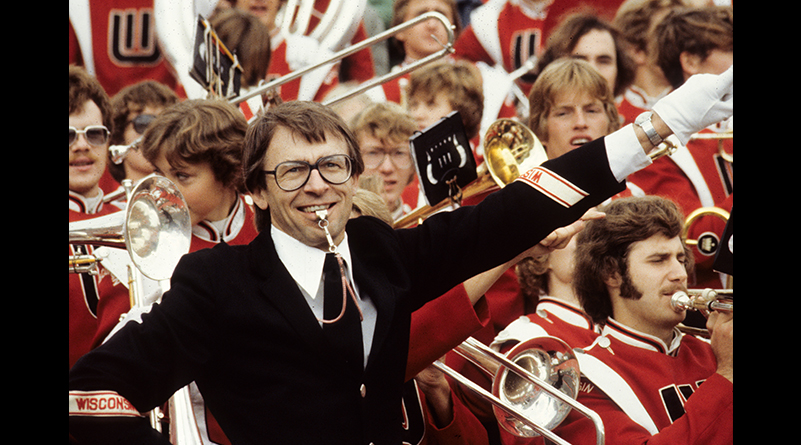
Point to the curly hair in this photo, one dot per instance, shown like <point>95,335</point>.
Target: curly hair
<point>603,246</point>
<point>461,81</point>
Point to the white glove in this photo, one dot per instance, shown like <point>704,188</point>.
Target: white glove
<point>703,100</point>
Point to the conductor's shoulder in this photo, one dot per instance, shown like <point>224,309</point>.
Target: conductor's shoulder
<point>221,253</point>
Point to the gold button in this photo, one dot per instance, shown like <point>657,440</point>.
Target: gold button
<point>362,390</point>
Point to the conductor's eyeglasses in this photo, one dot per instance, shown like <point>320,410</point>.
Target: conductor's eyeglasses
<point>292,175</point>
<point>94,134</point>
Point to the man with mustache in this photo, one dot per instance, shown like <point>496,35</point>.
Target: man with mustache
<point>646,380</point>
<point>96,300</point>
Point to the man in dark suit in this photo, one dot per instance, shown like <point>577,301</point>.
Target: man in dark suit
<point>249,324</point>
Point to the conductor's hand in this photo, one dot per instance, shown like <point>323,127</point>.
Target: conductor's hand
<point>703,100</point>
<point>560,238</point>
<point>721,328</point>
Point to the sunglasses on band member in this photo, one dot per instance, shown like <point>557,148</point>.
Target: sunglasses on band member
<point>141,122</point>
<point>292,175</point>
<point>94,134</point>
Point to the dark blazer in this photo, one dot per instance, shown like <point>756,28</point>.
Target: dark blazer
<point>235,322</point>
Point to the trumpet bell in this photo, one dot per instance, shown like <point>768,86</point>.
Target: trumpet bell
<point>155,228</point>
<point>551,360</point>
<point>511,149</point>
<point>159,227</point>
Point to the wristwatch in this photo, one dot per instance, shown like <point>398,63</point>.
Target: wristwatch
<point>644,121</point>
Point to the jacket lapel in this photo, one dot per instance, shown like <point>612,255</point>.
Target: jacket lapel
<point>278,287</point>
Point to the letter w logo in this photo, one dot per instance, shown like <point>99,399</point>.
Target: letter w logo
<point>132,37</point>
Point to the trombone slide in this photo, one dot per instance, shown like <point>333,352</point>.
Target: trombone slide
<point>366,43</point>
<point>487,358</point>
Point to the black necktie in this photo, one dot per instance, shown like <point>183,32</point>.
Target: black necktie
<point>345,334</point>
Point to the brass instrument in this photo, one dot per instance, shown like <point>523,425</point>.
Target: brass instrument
<point>534,385</point>
<point>706,243</point>
<point>720,137</point>
<point>510,149</point>
<point>698,213</point>
<point>703,300</point>
<point>155,229</point>
<point>447,49</point>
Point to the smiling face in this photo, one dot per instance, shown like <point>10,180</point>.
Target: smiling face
<point>294,212</point>
<point>87,162</point>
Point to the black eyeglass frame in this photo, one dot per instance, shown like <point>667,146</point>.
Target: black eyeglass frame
<point>315,166</point>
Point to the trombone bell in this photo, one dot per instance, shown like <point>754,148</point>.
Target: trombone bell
<point>534,385</point>
<point>511,149</point>
<point>552,361</point>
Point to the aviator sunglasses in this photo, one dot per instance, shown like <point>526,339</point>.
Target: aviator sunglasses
<point>94,134</point>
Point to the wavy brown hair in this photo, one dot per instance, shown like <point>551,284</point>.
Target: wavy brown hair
<point>603,246</point>
<point>200,131</point>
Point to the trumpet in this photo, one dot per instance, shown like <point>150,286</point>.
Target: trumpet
<point>534,385</point>
<point>447,49</point>
<point>704,300</point>
<point>155,228</point>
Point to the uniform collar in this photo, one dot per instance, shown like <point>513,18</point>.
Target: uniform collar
<point>565,311</point>
<point>639,339</point>
<point>82,204</point>
<point>224,230</point>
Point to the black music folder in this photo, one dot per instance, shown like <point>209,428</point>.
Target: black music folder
<point>213,66</point>
<point>443,158</point>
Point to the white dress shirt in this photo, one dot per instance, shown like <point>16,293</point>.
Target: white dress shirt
<point>305,265</point>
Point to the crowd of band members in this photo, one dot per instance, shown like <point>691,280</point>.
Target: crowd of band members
<point>600,64</point>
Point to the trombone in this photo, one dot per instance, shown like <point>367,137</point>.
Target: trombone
<point>533,391</point>
<point>447,49</point>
